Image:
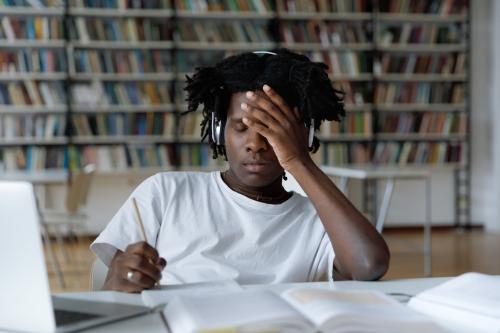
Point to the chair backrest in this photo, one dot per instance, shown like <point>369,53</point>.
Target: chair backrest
<point>78,188</point>
<point>98,274</point>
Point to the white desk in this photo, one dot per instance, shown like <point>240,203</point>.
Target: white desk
<point>153,323</point>
<point>390,175</point>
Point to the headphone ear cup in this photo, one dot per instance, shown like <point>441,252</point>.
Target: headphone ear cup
<point>221,124</point>
<point>217,130</point>
<point>213,129</point>
<point>311,134</point>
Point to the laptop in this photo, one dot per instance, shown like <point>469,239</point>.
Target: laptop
<point>25,300</point>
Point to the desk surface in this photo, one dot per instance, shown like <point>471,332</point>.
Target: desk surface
<point>153,323</point>
<point>44,177</point>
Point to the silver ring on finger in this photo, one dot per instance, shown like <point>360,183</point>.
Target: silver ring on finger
<point>130,275</point>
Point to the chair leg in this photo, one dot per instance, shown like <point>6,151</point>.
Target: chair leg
<point>428,230</point>
<point>386,201</point>
<point>53,259</point>
<point>60,242</point>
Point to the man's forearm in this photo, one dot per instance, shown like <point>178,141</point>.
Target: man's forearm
<point>361,253</point>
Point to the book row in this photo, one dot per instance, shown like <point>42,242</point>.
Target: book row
<point>31,28</point>
<point>426,122</point>
<point>119,29</point>
<point>151,123</point>
<point>122,157</point>
<point>32,61</point>
<point>419,33</point>
<point>37,126</point>
<point>441,7</point>
<point>352,123</point>
<point>122,4</point>
<point>108,158</point>
<point>122,61</point>
<point>341,6</point>
<point>223,31</point>
<point>99,94</point>
<point>450,63</point>
<point>396,153</point>
<point>392,153</point>
<point>324,32</point>
<point>260,6</point>
<point>29,92</point>
<point>343,62</point>
<point>32,158</point>
<point>32,3</point>
<point>413,92</point>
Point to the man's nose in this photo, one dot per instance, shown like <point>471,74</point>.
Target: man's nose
<point>255,142</point>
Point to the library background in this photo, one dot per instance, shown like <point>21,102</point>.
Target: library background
<point>101,82</point>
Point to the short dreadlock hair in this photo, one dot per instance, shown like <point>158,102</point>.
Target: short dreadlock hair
<point>302,83</point>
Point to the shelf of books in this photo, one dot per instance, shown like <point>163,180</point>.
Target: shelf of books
<point>123,117</point>
<point>206,32</point>
<point>421,73</point>
<point>109,89</point>
<point>33,108</point>
<point>340,34</point>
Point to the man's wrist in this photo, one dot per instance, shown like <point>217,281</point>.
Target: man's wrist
<point>297,167</point>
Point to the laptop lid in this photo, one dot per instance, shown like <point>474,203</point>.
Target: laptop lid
<point>25,300</point>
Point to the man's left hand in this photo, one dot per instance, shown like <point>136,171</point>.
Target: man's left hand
<point>271,117</point>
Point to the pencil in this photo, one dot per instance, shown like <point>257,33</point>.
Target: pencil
<point>139,220</point>
<point>141,228</point>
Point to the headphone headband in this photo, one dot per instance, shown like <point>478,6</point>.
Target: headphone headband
<point>261,53</point>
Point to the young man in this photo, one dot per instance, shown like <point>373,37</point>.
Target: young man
<point>260,112</point>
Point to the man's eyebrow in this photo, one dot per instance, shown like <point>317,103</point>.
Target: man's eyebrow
<point>236,120</point>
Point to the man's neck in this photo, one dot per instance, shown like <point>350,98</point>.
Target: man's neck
<point>273,193</point>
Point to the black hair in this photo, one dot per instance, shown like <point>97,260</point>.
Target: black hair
<point>302,83</point>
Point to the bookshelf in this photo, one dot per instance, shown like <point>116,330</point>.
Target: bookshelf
<point>115,94</point>
<point>33,108</point>
<point>123,117</point>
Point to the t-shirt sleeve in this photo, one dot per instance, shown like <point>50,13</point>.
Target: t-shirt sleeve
<point>322,267</point>
<point>123,228</point>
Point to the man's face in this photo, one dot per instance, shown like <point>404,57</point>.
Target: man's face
<point>251,158</point>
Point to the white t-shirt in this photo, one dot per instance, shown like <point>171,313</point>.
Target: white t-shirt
<point>206,231</point>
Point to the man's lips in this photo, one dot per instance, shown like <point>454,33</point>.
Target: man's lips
<point>256,166</point>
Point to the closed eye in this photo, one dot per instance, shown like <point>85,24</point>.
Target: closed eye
<point>240,127</point>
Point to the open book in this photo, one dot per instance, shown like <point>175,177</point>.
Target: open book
<point>471,301</point>
<point>296,310</point>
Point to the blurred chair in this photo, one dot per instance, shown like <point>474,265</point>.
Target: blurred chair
<point>71,219</point>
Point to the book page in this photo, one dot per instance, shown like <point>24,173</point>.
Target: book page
<point>166,293</point>
<point>366,311</point>
<point>245,311</point>
<point>475,292</point>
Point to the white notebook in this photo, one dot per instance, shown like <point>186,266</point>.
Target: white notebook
<point>296,310</point>
<point>471,300</point>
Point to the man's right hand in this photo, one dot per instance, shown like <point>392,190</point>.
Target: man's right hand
<point>144,264</point>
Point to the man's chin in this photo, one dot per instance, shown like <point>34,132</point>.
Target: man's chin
<point>255,179</point>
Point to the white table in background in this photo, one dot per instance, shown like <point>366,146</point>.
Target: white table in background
<point>390,175</point>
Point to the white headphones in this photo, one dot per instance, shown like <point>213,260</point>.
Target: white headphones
<point>217,128</point>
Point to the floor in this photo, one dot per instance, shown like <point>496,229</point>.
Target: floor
<point>453,252</point>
